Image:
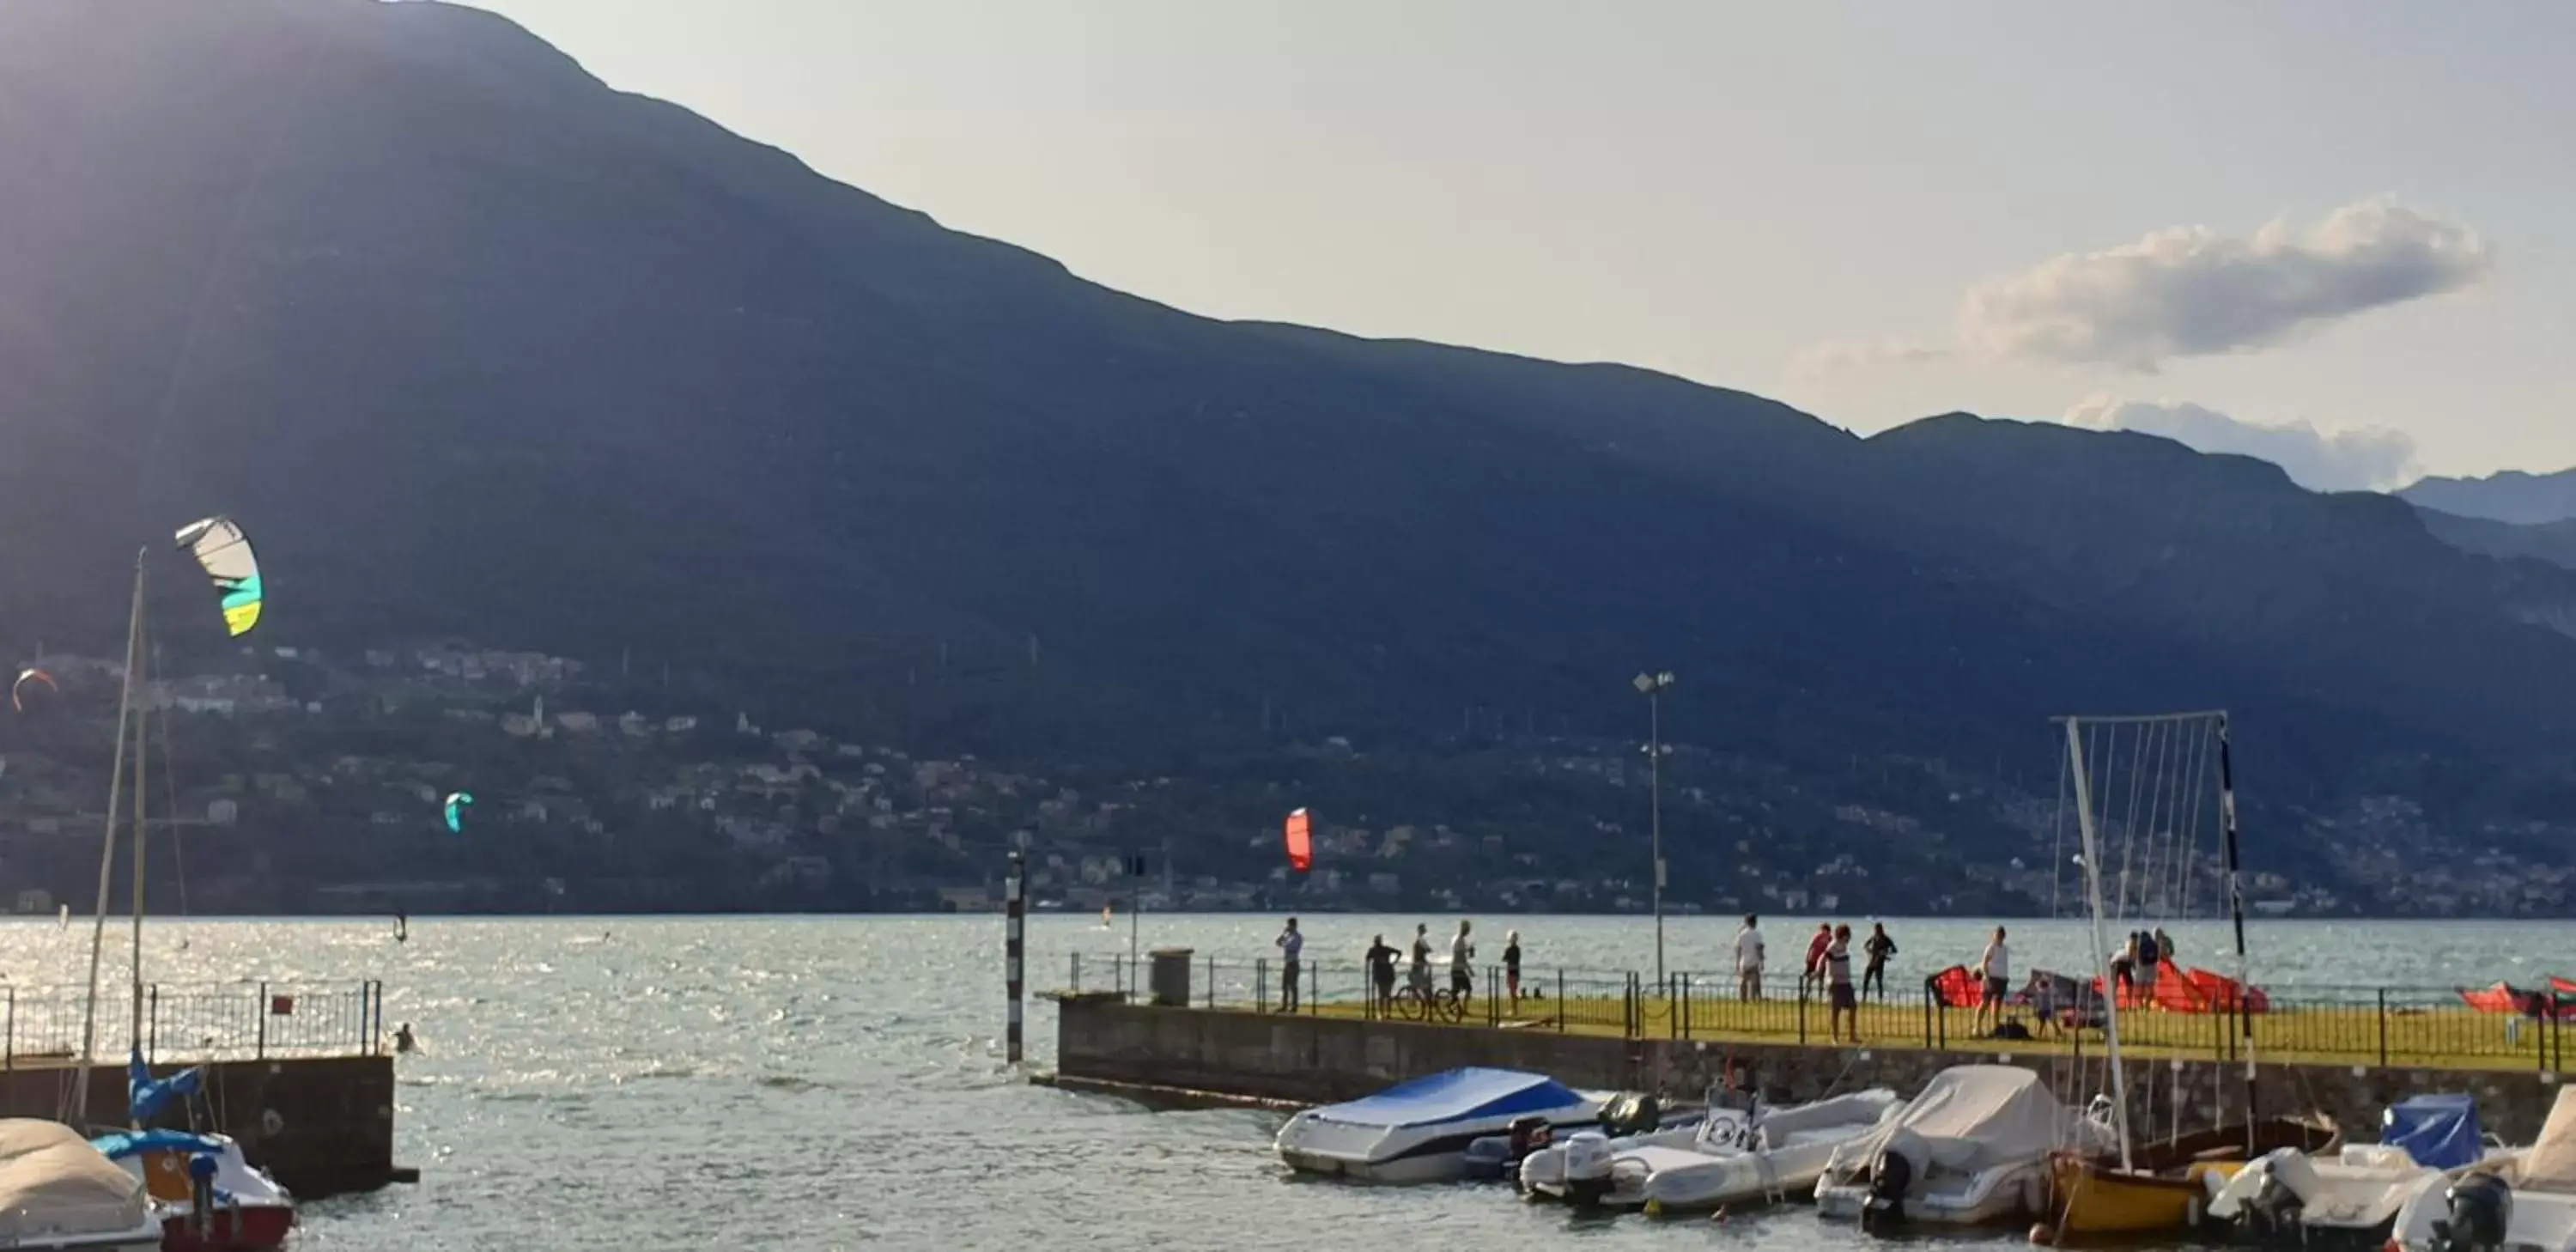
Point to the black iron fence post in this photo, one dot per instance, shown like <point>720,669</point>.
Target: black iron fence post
<point>12,1061</point>
<point>1686,1007</point>
<point>1802,1010</point>
<point>1560,1000</point>
<point>2383,1028</point>
<point>259,1049</point>
<point>152,1024</point>
<point>1261,984</point>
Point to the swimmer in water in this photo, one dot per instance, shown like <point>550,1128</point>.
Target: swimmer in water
<point>403,1042</point>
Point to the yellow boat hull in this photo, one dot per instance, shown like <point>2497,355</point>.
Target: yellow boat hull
<point>2095,1200</point>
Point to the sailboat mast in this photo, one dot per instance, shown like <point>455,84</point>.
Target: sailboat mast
<point>2101,946</point>
<point>107,851</point>
<point>2236,913</point>
<point>142,793</point>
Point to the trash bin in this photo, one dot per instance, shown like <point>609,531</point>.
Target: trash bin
<point>1171,975</point>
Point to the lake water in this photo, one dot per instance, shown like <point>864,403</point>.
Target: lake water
<point>819,1083</point>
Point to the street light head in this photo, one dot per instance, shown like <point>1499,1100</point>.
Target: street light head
<point>1644,683</point>
<point>1664,679</point>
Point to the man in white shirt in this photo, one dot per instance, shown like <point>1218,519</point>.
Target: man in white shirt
<point>1292,946</point>
<point>1748,959</point>
<point>1995,967</point>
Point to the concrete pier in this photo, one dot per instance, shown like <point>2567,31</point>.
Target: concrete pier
<point>321,1125</point>
<point>1105,1043</point>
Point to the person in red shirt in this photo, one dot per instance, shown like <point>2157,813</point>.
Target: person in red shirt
<point>1815,970</point>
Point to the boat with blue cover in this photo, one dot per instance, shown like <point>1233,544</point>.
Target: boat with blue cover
<point>1419,1131</point>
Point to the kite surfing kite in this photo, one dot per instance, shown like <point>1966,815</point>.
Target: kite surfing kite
<point>456,802</point>
<point>224,551</point>
<point>1301,843</point>
<point>18,689</point>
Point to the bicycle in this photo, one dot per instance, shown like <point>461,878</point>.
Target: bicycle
<point>1415,1002</point>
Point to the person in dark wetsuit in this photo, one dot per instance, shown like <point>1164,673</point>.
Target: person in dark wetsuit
<point>1512,967</point>
<point>1878,948</point>
<point>1381,968</point>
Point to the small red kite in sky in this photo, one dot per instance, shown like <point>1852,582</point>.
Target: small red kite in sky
<point>1301,843</point>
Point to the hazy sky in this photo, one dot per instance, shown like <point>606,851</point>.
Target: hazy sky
<point>2178,216</point>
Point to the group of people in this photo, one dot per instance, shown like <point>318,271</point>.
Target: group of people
<point>1380,960</point>
<point>1827,965</point>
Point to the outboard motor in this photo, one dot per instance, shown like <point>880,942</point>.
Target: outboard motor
<point>1529,1134</point>
<point>1890,1176</point>
<point>2481,1209</point>
<point>1631,1114</point>
<point>201,1194</point>
<point>2273,1210</point>
<point>1587,1167</point>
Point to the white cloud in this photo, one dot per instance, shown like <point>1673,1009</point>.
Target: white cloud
<point>2190,291</point>
<point>2369,458</point>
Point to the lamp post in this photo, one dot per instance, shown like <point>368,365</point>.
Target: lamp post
<point>1653,686</point>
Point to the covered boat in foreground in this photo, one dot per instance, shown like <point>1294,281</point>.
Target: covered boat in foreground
<point>2350,1198</point>
<point>2521,1200</point>
<point>1418,1131</point>
<point>1972,1149</point>
<point>208,1197</point>
<point>58,1193</point>
<point>1735,1155</point>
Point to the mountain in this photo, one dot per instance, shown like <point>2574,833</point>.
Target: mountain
<point>475,345</point>
<point>2508,496</point>
<point>2554,542</point>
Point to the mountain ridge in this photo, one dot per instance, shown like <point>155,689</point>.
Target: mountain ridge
<point>491,349</point>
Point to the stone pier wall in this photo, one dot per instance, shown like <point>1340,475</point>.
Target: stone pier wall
<point>1318,1060</point>
<point>321,1125</point>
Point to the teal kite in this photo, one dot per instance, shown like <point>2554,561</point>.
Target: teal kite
<point>456,802</point>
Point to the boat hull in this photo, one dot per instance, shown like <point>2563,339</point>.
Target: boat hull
<point>2095,1199</point>
<point>236,1228</point>
<point>2016,1192</point>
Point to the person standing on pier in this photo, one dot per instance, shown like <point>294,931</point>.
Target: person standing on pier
<point>1812,973</point>
<point>1838,985</point>
<point>1748,959</point>
<point>1462,964</point>
<point>1381,968</point>
<point>1417,974</point>
<point>1879,947</point>
<point>1512,967</point>
<point>1291,946</point>
<point>1995,967</point>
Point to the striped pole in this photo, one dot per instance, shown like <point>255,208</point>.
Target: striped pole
<point>1014,948</point>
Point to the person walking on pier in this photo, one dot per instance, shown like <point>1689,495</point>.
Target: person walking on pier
<point>1748,959</point>
<point>1462,964</point>
<point>1417,974</point>
<point>1838,985</point>
<point>1995,967</point>
<point>1291,946</point>
<point>1512,967</point>
<point>1879,947</point>
<point>1381,968</point>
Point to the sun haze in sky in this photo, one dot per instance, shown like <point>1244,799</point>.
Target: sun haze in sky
<point>2341,235</point>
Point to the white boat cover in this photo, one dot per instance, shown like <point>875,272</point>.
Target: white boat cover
<point>52,1180</point>
<point>2551,1163</point>
<point>1971,1118</point>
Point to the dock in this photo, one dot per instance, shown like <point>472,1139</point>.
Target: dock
<point>300,1075</point>
<point>1219,1034</point>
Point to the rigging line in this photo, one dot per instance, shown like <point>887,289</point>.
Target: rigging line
<point>2129,839</point>
<point>2057,846</point>
<point>2151,873</point>
<point>2199,781</point>
<point>170,793</point>
<point>2176,767</point>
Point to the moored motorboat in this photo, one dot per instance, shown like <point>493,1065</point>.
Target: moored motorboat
<point>2166,1185</point>
<point>58,1193</point>
<point>1778,1156</point>
<point>208,1197</point>
<point>1972,1149</point>
<point>1419,1131</point>
<point>2518,1200</point>
<point>2350,1199</point>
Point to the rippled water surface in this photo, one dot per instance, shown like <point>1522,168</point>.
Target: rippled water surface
<point>838,1082</point>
